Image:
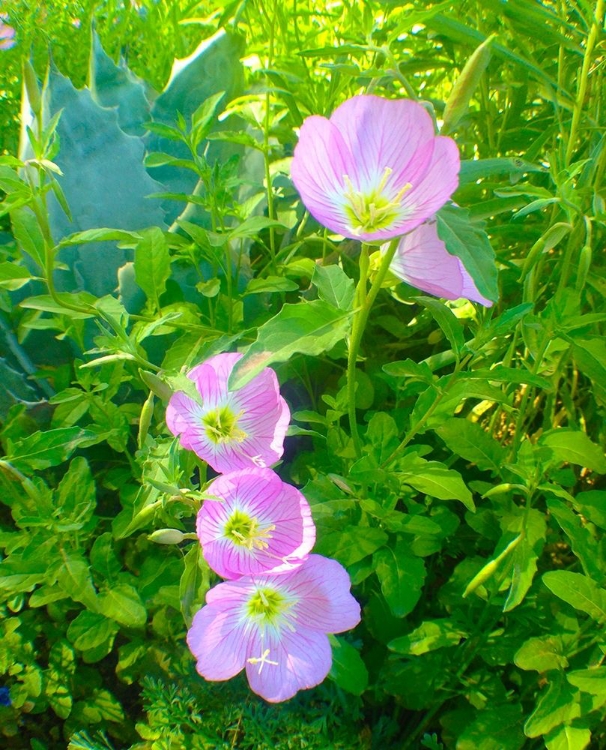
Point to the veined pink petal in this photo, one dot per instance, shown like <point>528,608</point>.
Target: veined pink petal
<point>382,133</point>
<point>280,621</point>
<point>375,170</point>
<point>216,639</point>
<point>286,663</point>
<point>258,524</point>
<point>231,430</point>
<point>432,191</point>
<point>423,261</point>
<point>324,600</point>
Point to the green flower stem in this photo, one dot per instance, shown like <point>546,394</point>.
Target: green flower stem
<point>579,104</point>
<point>363,304</point>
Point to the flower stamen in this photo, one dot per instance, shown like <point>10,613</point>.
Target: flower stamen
<point>262,660</point>
<point>373,210</point>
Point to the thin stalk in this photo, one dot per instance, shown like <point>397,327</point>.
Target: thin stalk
<point>364,302</point>
<point>579,104</point>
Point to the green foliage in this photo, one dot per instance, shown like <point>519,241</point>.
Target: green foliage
<point>150,223</point>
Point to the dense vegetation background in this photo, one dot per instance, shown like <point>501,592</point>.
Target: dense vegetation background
<point>472,523</point>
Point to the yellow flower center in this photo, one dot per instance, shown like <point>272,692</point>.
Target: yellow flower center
<point>246,531</point>
<point>374,210</point>
<point>267,606</point>
<point>222,426</point>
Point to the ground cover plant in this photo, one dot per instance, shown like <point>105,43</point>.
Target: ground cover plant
<point>303,375</point>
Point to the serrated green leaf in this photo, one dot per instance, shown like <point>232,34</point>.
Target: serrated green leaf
<point>334,286</point>
<point>50,448</point>
<point>307,328</point>
<point>470,441</point>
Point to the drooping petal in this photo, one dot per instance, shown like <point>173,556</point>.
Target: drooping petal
<point>287,662</point>
<point>423,261</point>
<point>278,531</point>
<point>217,640</point>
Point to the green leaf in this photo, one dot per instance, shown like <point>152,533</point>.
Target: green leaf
<point>348,670</point>
<point>557,705</point>
<point>350,544</point>
<point>448,322</point>
<point>28,234</point>
<point>582,542</point>
<point>252,226</point>
<point>76,497</point>
<point>44,449</point>
<point>568,738</point>
<point>307,328</point>
<point>591,681</point>
<point>152,264</point>
<point>429,636</point>
<point>12,276</point>
<point>573,446</point>
<point>579,591</point>
<point>525,555</point>
<point>470,441</point>
<point>436,480</point>
<point>497,727</point>
<point>194,583</point>
<point>334,286</point>
<point>103,558</point>
<point>471,245</point>
<point>89,630</point>
<point>75,579</point>
<point>542,654</point>
<point>271,284</point>
<point>122,603</point>
<point>401,576</point>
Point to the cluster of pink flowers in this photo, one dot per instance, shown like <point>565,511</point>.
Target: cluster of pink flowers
<point>375,171</point>
<point>272,615</point>
<point>7,33</point>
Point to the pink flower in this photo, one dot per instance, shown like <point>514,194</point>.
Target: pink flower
<point>375,169</point>
<point>7,34</point>
<point>275,626</point>
<point>423,261</point>
<point>256,524</point>
<point>230,429</point>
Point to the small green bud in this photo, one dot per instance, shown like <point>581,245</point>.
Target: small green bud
<point>147,413</point>
<point>583,269</point>
<point>167,536</point>
<point>32,88</point>
<point>465,85</point>
<point>156,385</point>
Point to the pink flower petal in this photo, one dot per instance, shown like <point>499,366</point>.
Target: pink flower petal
<point>283,533</point>
<point>216,639</point>
<point>292,662</point>
<point>423,261</point>
<point>259,413</point>
<point>325,602</point>
<point>375,170</point>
